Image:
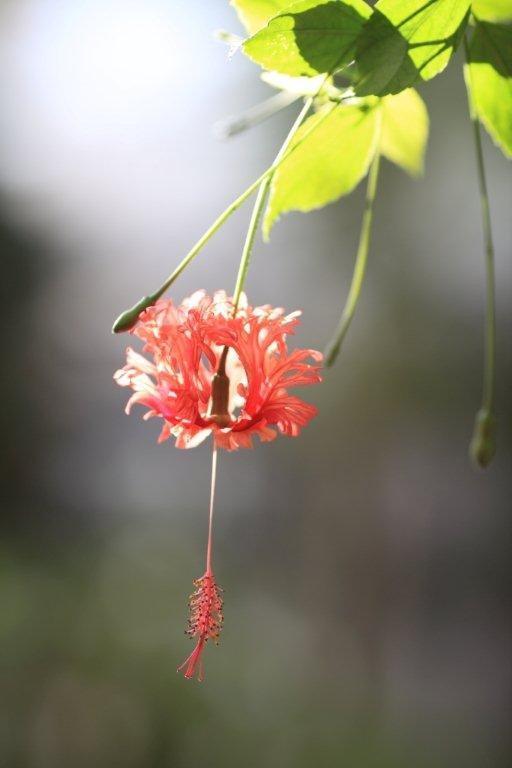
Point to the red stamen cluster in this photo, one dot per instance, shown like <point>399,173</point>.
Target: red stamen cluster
<point>205,621</point>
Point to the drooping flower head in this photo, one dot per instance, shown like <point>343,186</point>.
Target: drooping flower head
<point>217,372</point>
<point>213,373</point>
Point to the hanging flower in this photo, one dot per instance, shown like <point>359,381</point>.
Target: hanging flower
<point>223,373</point>
<point>215,374</point>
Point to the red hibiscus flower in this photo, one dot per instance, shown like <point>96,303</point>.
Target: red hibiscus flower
<point>213,373</point>
<point>223,373</point>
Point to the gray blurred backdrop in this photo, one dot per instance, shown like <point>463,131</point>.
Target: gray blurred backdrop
<point>365,564</point>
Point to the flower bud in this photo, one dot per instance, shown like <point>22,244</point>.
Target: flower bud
<point>483,443</point>
<point>129,317</point>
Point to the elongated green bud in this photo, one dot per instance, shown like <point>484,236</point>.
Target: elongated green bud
<point>483,443</point>
<point>129,317</point>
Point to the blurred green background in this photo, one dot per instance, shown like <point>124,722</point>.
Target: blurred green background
<point>366,564</point>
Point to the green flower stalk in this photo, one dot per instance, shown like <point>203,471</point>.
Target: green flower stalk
<point>483,443</point>
<point>333,348</point>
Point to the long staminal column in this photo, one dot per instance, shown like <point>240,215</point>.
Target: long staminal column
<point>205,603</point>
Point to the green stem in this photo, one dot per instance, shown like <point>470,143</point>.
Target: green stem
<point>128,318</point>
<point>490,318</point>
<point>256,114</point>
<point>260,204</point>
<point>334,346</point>
<point>483,447</point>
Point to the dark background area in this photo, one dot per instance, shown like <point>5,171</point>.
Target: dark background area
<point>366,564</point>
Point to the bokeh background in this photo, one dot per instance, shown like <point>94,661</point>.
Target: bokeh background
<point>365,564</point>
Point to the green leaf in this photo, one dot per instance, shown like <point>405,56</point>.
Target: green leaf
<point>312,37</point>
<point>254,14</point>
<point>405,130</point>
<point>492,10</point>
<point>329,164</point>
<point>489,80</point>
<point>407,40</point>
